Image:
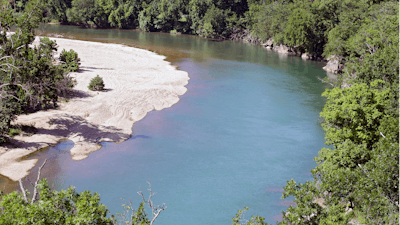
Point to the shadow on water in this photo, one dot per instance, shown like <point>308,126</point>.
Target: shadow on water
<point>140,136</point>
<point>53,154</point>
<point>7,185</point>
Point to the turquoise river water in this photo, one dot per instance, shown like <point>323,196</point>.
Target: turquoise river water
<point>248,123</point>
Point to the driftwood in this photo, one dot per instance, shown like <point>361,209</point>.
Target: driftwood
<point>35,191</point>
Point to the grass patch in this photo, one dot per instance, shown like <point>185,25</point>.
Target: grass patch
<point>14,131</point>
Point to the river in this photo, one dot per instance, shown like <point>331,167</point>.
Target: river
<point>248,123</point>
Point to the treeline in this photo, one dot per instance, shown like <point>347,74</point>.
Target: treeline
<point>320,27</point>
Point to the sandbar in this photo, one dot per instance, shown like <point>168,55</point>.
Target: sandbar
<point>137,81</point>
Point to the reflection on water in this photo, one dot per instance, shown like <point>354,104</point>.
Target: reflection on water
<point>7,185</point>
<point>246,125</point>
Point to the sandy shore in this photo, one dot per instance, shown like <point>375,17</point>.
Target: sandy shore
<point>136,81</point>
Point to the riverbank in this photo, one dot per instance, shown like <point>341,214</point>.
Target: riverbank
<point>136,82</point>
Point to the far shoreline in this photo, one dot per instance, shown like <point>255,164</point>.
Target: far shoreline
<point>134,87</point>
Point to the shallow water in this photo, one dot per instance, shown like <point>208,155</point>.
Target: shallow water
<point>248,123</point>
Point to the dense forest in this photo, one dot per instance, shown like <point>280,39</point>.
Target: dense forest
<point>356,178</point>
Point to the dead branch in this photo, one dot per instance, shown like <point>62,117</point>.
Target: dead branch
<point>11,96</point>
<point>324,81</point>
<point>4,57</point>
<point>36,183</point>
<point>23,191</point>
<point>35,192</point>
<point>156,210</point>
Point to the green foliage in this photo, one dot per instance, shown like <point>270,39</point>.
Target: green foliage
<point>87,13</point>
<point>12,132</point>
<point>47,45</point>
<point>28,78</point>
<point>123,14</point>
<point>69,61</point>
<point>270,21</point>
<point>213,17</point>
<point>96,84</point>
<point>147,16</point>
<point>361,171</point>
<point>63,207</point>
<point>140,217</point>
<point>307,210</point>
<point>8,112</point>
<point>254,220</point>
<point>355,113</point>
<point>68,207</point>
<point>299,28</point>
<point>57,10</point>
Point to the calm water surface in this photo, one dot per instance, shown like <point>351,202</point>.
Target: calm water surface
<point>248,123</point>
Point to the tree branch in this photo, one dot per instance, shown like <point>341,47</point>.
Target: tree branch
<point>156,210</point>
<point>23,191</point>
<point>36,183</point>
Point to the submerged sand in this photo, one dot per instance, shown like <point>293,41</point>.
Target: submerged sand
<point>136,82</point>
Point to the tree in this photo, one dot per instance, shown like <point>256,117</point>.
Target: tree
<point>123,13</point>
<point>28,78</point>
<point>355,113</point>
<point>57,10</point>
<point>87,13</point>
<point>70,61</point>
<point>68,207</point>
<point>254,220</point>
<point>216,23</point>
<point>139,217</point>
<point>96,84</point>
<point>298,31</point>
<point>147,16</point>
<point>271,20</point>
<point>53,207</point>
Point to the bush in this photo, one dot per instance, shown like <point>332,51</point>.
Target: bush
<point>12,132</point>
<point>69,61</point>
<point>53,207</point>
<point>48,45</point>
<point>96,84</point>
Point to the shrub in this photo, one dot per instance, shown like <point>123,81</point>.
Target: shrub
<point>48,45</point>
<point>12,132</point>
<point>53,207</point>
<point>69,61</point>
<point>96,84</point>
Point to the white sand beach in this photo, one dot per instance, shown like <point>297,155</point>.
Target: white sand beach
<point>136,82</point>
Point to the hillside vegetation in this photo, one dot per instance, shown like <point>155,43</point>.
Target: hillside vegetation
<point>30,78</point>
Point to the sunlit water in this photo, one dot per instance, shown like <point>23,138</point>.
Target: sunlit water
<point>248,123</point>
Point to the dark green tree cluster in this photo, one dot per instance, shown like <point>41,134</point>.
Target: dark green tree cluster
<point>53,207</point>
<point>358,177</point>
<point>209,18</point>
<point>320,27</point>
<point>29,78</point>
